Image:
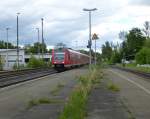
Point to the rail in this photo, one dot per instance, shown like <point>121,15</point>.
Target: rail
<point>14,77</point>
<point>139,73</point>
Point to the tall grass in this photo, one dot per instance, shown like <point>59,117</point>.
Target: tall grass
<point>75,107</point>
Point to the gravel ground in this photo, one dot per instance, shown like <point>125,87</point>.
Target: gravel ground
<point>14,99</point>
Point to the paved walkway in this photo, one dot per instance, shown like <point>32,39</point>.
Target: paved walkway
<point>14,100</point>
<point>135,92</point>
<point>105,104</point>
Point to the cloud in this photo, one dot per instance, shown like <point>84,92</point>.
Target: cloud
<point>140,2</point>
<point>65,21</point>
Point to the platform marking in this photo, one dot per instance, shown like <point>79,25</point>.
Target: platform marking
<point>133,82</point>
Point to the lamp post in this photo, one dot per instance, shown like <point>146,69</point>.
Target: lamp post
<point>18,40</point>
<point>90,41</point>
<point>42,39</point>
<point>7,46</point>
<point>38,34</point>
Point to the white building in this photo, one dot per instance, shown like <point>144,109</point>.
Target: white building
<point>9,58</point>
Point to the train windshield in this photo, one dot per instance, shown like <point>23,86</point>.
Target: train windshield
<point>59,56</point>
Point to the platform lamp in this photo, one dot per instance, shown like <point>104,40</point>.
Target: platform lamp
<point>90,41</point>
<point>38,36</point>
<point>7,29</point>
<point>18,40</point>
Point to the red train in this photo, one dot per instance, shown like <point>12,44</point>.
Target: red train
<point>63,58</point>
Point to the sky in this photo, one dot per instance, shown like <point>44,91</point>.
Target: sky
<point>66,22</point>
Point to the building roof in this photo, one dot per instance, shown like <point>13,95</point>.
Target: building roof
<point>5,50</point>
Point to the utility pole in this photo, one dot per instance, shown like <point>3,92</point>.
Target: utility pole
<point>90,41</point>
<point>38,34</point>
<point>18,41</point>
<point>7,46</point>
<point>42,40</point>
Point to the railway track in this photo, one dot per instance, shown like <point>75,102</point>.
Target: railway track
<point>14,77</point>
<point>139,73</point>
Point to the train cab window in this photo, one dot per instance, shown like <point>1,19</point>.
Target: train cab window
<point>59,56</point>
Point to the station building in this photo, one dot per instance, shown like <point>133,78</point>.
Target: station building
<point>9,57</point>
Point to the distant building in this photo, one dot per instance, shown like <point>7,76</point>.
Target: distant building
<point>9,57</point>
<point>47,57</point>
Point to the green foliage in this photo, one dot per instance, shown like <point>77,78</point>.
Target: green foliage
<point>147,43</point>
<point>36,63</point>
<point>106,51</point>
<point>143,56</point>
<point>116,57</point>
<point>35,102</point>
<point>1,63</point>
<point>113,87</point>
<point>135,41</point>
<point>3,45</point>
<point>57,89</point>
<point>37,47</point>
<point>76,106</point>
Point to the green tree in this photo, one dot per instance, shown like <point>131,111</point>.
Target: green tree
<point>147,29</point>
<point>143,56</point>
<point>3,45</point>
<point>106,51</point>
<point>115,57</point>
<point>37,47</point>
<point>133,44</point>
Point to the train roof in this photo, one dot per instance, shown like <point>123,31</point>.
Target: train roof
<point>71,50</point>
<point>77,52</point>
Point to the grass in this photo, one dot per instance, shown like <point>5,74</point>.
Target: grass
<point>76,105</point>
<point>131,116</point>
<point>35,102</point>
<point>113,87</point>
<point>133,66</point>
<point>57,89</point>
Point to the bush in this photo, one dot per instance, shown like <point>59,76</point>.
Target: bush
<point>143,56</point>
<point>1,63</point>
<point>75,108</point>
<point>36,63</point>
<point>115,58</point>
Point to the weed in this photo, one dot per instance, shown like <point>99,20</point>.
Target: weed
<point>57,89</point>
<point>35,102</point>
<point>32,103</point>
<point>75,108</point>
<point>113,87</point>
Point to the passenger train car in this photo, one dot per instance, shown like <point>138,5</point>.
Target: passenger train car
<point>63,58</point>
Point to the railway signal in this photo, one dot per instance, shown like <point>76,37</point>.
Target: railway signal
<point>95,37</point>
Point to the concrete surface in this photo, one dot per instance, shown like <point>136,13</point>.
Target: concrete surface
<point>14,99</point>
<point>105,104</point>
<point>135,92</point>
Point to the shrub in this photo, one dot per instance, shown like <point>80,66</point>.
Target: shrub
<point>116,57</point>
<point>1,63</point>
<point>36,63</point>
<point>143,56</point>
<point>75,108</point>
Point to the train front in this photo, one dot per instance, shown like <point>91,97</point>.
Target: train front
<point>58,59</point>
